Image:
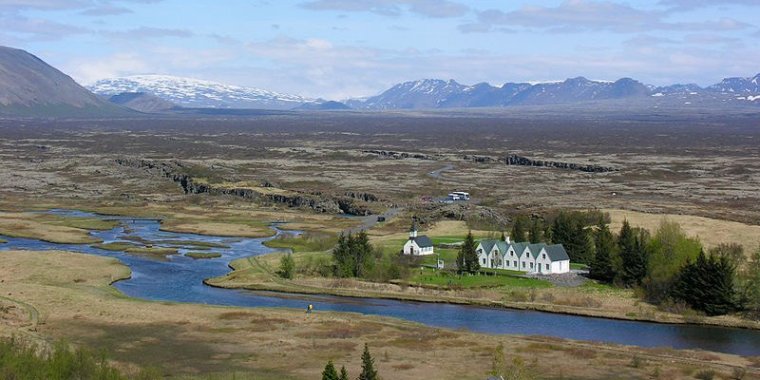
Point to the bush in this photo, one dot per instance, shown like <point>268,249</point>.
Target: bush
<point>19,360</point>
<point>287,266</point>
<point>705,374</point>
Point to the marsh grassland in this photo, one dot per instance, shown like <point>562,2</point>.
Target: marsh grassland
<point>235,176</point>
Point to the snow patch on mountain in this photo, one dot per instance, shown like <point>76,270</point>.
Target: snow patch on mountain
<point>190,92</point>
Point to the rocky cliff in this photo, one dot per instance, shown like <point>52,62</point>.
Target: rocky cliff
<point>347,203</point>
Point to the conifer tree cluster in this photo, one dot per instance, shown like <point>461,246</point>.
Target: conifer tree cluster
<point>352,255</point>
<point>569,229</point>
<point>368,369</point>
<point>467,258</point>
<point>707,284</point>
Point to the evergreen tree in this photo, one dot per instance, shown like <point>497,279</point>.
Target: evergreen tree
<point>548,238</point>
<point>361,251</point>
<point>535,232</point>
<point>633,255</point>
<point>467,259</point>
<point>503,237</point>
<point>343,373</point>
<point>602,267</point>
<point>342,256</point>
<point>368,366</point>
<point>518,229</point>
<point>287,266</point>
<point>751,285</point>
<point>707,284</point>
<point>330,373</point>
<point>569,230</point>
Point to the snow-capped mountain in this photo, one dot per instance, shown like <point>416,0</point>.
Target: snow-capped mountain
<point>189,92</point>
<point>435,93</point>
<point>738,85</point>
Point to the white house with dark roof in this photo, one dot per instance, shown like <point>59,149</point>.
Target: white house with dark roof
<point>525,257</point>
<point>417,245</point>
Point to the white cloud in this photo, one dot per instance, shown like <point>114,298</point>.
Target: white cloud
<point>591,15</point>
<point>89,70</point>
<point>428,8</point>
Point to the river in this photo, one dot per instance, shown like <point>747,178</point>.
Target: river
<point>180,279</point>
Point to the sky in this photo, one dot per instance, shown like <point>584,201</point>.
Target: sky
<point>336,49</point>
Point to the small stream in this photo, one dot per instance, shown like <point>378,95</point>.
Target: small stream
<point>180,279</point>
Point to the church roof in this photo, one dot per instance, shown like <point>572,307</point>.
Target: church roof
<point>423,241</point>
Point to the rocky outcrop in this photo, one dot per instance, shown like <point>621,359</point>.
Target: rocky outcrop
<point>479,159</point>
<point>514,159</point>
<point>430,212</point>
<point>319,202</point>
<point>399,155</point>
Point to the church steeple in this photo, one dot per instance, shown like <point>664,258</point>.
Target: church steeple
<point>413,229</point>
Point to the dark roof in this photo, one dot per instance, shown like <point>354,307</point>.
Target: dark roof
<point>423,241</point>
<point>557,252</point>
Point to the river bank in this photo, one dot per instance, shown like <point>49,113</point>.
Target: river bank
<point>188,340</point>
<point>259,274</point>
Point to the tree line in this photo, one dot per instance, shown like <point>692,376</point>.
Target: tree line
<point>671,267</point>
<point>667,266</point>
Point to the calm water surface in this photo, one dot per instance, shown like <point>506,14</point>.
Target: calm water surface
<point>180,279</point>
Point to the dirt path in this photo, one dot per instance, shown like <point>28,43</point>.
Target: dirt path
<point>370,221</point>
<point>437,173</point>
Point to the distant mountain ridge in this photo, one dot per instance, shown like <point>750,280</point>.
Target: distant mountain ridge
<point>436,93</point>
<point>31,87</point>
<point>196,93</point>
<point>142,102</point>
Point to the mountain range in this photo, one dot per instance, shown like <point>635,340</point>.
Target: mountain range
<point>436,93</point>
<point>30,87</point>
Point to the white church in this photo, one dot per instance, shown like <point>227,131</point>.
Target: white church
<point>417,245</point>
<point>524,257</point>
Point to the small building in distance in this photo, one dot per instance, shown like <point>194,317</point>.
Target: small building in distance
<point>525,257</point>
<point>417,245</point>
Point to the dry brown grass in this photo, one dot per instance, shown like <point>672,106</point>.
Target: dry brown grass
<point>194,339</point>
<point>710,231</point>
<point>37,226</point>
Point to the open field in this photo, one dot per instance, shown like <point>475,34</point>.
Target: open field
<point>710,232</point>
<point>699,165</point>
<point>31,225</point>
<point>184,339</point>
<point>697,169</point>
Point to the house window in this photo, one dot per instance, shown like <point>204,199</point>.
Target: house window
<point>531,265</point>
<point>547,266</point>
<point>515,263</point>
<point>544,255</point>
<point>523,264</point>
<point>484,261</point>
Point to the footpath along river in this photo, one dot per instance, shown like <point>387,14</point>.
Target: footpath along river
<point>180,279</point>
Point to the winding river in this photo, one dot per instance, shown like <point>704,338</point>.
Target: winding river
<point>180,279</point>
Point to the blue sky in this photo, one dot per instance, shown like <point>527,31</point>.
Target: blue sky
<point>343,48</point>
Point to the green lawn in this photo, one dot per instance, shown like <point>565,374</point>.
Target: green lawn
<point>578,266</point>
<point>449,279</point>
<point>203,255</point>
